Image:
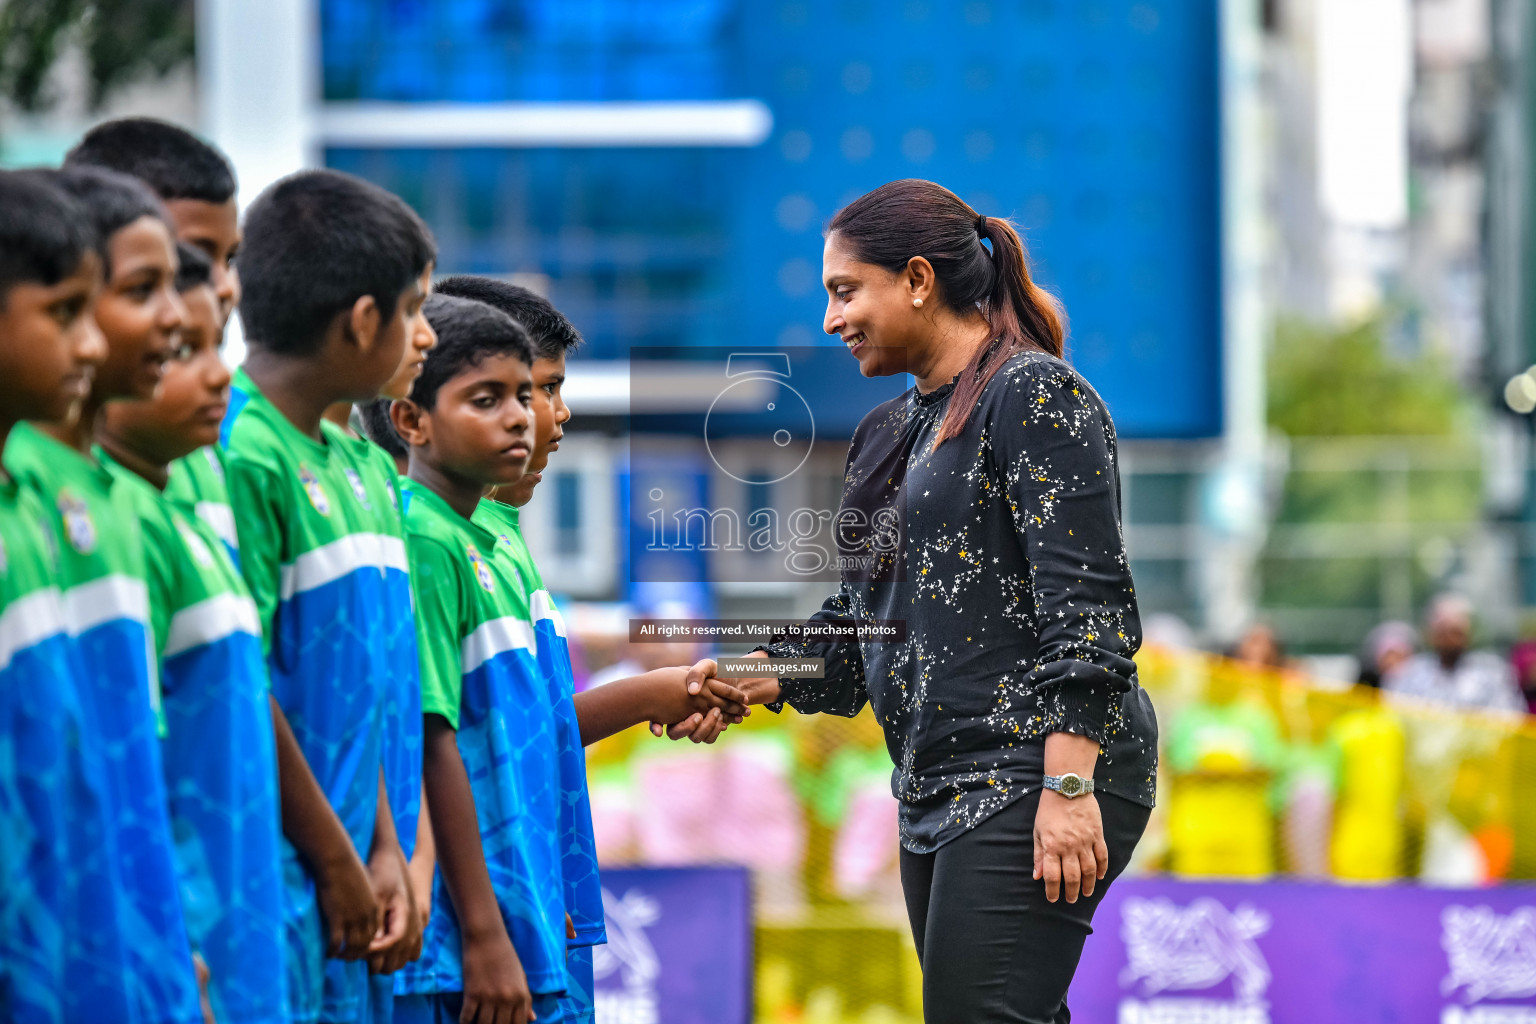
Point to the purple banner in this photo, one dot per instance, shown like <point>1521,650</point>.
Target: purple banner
<point>1168,952</point>
<point>679,947</point>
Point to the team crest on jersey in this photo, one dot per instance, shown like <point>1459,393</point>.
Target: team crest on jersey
<point>78,525</point>
<point>200,553</point>
<point>358,488</point>
<point>315,492</point>
<point>482,571</point>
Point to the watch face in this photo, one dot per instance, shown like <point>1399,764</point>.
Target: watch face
<point>1071,785</point>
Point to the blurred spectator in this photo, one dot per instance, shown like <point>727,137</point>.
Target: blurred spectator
<point>1522,658</point>
<point>1164,629</point>
<point>1449,673</point>
<point>1385,648</point>
<point>1259,647</point>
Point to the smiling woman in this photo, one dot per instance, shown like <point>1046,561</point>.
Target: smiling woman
<point>1011,709</point>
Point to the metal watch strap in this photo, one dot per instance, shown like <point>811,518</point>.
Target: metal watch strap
<point>1070,785</point>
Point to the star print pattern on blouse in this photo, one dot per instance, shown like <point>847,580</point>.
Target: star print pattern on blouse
<point>1009,568</point>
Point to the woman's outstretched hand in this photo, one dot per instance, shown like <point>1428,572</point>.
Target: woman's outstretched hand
<point>703,676</point>
<point>1070,853</point>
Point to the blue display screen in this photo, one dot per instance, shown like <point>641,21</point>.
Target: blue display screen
<point>1093,124</point>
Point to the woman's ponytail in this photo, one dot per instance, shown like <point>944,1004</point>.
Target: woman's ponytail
<point>1022,316</point>
<point>912,217</point>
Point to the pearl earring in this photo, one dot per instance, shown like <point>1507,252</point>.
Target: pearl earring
<point>918,303</point>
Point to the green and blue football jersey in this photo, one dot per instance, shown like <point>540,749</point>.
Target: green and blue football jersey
<point>219,754</point>
<point>101,580</point>
<point>61,951</point>
<point>378,484</point>
<point>319,560</point>
<point>578,847</point>
<point>197,482</point>
<point>479,670</point>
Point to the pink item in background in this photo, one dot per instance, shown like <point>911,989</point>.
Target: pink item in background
<point>864,855</point>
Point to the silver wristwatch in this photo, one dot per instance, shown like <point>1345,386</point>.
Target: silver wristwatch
<point>1071,785</point>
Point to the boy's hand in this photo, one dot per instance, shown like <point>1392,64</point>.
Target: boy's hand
<point>398,939</point>
<point>570,927</point>
<point>705,728</point>
<point>421,869</point>
<point>495,987</point>
<point>347,906</point>
<point>700,728</point>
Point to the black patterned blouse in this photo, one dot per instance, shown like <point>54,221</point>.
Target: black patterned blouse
<point>1002,552</point>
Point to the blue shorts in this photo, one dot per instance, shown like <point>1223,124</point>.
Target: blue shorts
<point>444,1008</point>
<point>379,1007</point>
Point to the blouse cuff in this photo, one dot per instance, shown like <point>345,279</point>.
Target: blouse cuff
<point>1070,703</point>
<point>777,706</point>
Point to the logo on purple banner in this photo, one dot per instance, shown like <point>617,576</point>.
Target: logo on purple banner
<point>1169,952</point>
<point>679,947</point>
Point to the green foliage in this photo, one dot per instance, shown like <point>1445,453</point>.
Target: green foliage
<point>122,41</point>
<point>1331,382</point>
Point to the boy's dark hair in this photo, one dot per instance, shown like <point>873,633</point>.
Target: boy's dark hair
<point>316,242</point>
<point>113,201</point>
<point>553,335</point>
<point>467,332</point>
<point>379,428</point>
<point>44,231</point>
<point>171,160</point>
<point>193,267</point>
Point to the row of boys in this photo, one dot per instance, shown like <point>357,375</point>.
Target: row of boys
<point>288,735</point>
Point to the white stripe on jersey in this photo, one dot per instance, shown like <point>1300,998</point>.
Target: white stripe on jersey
<point>115,599</point>
<point>30,620</point>
<point>104,600</point>
<point>493,637</point>
<point>222,518</point>
<point>215,618</point>
<point>544,608</point>
<point>344,555</point>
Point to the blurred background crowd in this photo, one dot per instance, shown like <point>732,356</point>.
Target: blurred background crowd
<point>1295,241</point>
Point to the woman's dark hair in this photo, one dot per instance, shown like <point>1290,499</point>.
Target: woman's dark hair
<point>913,217</point>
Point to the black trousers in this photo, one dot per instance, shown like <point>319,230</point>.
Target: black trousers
<point>991,947</point>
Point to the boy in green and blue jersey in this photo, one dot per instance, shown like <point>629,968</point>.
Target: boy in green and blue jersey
<point>552,337</point>
<point>197,185</point>
<point>219,755</point>
<point>331,271</point>
<point>62,956</point>
<point>497,944</point>
<point>102,583</point>
<point>402,708</point>
<point>583,717</point>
